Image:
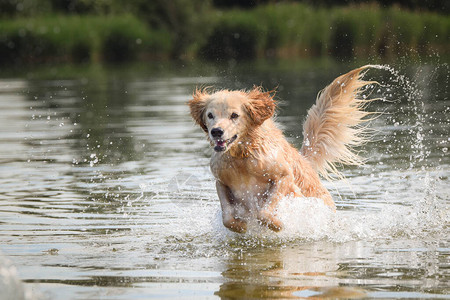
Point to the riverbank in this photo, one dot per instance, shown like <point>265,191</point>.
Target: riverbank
<point>287,30</point>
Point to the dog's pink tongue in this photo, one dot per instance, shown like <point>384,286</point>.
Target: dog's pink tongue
<point>221,143</point>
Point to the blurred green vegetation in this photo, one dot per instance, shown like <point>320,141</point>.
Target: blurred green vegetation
<point>294,29</point>
<point>79,38</point>
<point>119,30</point>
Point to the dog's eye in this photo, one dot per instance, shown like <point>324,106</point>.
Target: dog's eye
<point>234,115</point>
<point>210,115</point>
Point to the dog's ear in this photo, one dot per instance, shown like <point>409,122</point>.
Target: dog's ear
<point>261,105</point>
<point>197,105</point>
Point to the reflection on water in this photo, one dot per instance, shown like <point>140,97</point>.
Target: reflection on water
<point>105,190</point>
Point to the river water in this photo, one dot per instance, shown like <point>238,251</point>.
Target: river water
<point>106,193</point>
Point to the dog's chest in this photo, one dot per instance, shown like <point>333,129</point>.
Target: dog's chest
<point>227,168</point>
<point>243,176</point>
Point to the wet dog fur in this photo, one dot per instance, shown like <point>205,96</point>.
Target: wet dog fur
<point>255,166</point>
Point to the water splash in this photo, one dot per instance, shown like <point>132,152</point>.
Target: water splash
<point>412,120</point>
<point>308,219</point>
<point>200,232</point>
<point>416,113</point>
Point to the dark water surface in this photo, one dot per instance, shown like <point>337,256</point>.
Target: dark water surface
<point>105,190</point>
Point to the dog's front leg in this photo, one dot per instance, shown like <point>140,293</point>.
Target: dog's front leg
<point>279,189</point>
<point>229,218</point>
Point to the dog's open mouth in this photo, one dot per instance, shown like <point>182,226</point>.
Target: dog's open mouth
<point>221,145</point>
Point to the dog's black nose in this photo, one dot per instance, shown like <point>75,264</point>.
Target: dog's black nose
<point>217,132</point>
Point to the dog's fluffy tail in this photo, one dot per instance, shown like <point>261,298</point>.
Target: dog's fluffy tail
<point>333,126</point>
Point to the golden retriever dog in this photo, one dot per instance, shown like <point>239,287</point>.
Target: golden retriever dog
<point>255,166</point>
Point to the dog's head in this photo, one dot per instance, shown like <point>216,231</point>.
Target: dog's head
<point>228,116</point>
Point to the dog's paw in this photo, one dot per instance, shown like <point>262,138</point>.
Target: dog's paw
<point>272,222</point>
<point>236,225</point>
